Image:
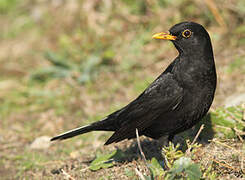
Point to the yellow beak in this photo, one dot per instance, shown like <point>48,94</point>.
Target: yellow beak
<point>163,35</point>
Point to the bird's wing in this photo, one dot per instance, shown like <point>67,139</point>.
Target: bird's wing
<point>162,96</point>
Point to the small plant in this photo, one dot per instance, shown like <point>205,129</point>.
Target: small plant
<point>103,161</point>
<point>228,121</point>
<point>172,153</point>
<point>62,67</point>
<point>156,168</point>
<point>184,168</point>
<point>192,146</point>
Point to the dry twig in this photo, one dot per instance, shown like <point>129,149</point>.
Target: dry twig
<point>213,8</point>
<point>139,174</point>
<point>243,112</point>
<point>67,176</point>
<point>142,153</point>
<point>225,165</point>
<point>235,118</point>
<point>193,142</point>
<point>242,166</point>
<point>239,133</point>
<point>242,159</point>
<point>223,144</point>
<point>139,145</point>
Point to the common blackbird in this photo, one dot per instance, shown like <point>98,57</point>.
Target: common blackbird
<point>175,101</point>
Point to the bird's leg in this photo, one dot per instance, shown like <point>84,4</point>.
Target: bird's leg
<point>170,137</point>
<point>163,141</point>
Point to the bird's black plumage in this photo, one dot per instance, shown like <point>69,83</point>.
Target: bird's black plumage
<point>176,100</point>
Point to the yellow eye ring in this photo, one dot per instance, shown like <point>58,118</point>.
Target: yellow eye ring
<point>186,33</point>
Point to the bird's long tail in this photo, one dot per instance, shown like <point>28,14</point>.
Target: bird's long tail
<point>105,124</point>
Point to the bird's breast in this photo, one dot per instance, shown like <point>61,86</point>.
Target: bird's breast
<point>198,79</point>
<point>195,75</point>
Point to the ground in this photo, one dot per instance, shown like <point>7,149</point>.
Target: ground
<point>69,63</point>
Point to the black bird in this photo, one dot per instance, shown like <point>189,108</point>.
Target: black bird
<point>175,101</point>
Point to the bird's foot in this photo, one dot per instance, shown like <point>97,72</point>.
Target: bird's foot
<point>163,141</point>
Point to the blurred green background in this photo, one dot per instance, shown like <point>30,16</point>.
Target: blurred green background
<point>65,63</point>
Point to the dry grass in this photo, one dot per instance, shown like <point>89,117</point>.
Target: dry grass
<point>121,34</point>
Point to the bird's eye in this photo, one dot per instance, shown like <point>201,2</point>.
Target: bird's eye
<point>186,33</point>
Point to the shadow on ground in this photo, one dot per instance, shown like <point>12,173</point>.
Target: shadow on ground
<point>151,148</point>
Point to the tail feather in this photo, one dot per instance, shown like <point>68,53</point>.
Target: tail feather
<point>73,132</point>
<point>105,124</point>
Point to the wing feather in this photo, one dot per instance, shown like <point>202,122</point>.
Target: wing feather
<point>163,95</point>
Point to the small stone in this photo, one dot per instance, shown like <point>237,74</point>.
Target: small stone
<point>42,142</point>
<point>235,100</point>
<point>74,154</point>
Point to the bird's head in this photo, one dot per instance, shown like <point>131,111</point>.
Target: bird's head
<point>187,37</point>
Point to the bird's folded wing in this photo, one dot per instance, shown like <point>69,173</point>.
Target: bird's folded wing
<point>162,96</point>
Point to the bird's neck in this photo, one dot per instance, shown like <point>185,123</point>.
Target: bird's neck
<point>194,65</point>
<point>202,55</point>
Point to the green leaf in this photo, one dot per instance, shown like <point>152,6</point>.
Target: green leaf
<point>193,171</point>
<point>225,120</point>
<point>88,69</point>
<point>183,167</point>
<point>107,160</point>
<point>129,173</point>
<point>156,168</point>
<point>102,161</point>
<point>148,177</point>
<point>181,164</point>
<point>56,60</point>
<point>44,74</point>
